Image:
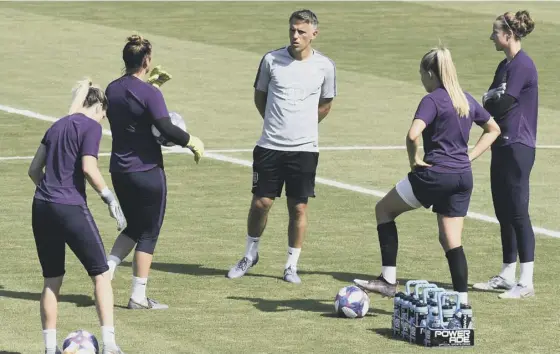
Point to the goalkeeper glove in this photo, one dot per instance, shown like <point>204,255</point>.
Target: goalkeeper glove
<point>197,147</point>
<point>158,76</point>
<point>494,93</point>
<point>114,208</point>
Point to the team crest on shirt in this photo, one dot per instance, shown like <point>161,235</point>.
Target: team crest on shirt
<point>293,93</point>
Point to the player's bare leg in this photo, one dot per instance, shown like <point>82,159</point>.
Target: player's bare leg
<point>256,223</point>
<point>104,306</point>
<point>297,228</point>
<point>49,312</point>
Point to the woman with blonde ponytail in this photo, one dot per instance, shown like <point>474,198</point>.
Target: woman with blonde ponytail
<point>442,178</point>
<point>66,157</point>
<point>79,95</point>
<point>450,82</point>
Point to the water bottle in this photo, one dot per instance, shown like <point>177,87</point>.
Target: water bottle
<point>397,312</point>
<point>466,316</point>
<point>434,317</point>
<point>447,313</point>
<point>412,309</point>
<point>404,315</point>
<point>455,321</point>
<point>436,322</point>
<point>397,304</point>
<point>421,314</point>
<point>412,314</point>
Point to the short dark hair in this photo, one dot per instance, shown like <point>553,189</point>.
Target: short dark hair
<point>306,16</point>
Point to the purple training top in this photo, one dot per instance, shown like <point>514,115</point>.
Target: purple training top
<point>67,140</point>
<point>519,124</point>
<point>133,105</point>
<point>446,135</point>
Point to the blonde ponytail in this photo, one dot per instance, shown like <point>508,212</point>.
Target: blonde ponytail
<point>79,95</point>
<point>449,80</point>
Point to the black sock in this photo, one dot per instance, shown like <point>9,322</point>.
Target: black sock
<point>389,243</point>
<point>458,268</point>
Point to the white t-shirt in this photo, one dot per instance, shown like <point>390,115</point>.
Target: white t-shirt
<point>291,120</point>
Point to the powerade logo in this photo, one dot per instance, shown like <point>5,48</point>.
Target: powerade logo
<point>454,336</point>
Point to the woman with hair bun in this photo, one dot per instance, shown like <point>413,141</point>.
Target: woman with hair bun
<point>513,101</point>
<point>136,164</point>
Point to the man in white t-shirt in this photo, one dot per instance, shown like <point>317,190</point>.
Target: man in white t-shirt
<point>294,89</point>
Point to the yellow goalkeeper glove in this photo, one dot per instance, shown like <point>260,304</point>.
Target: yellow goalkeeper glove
<point>197,147</point>
<point>158,76</point>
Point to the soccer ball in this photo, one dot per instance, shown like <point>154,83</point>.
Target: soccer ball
<point>80,342</point>
<point>177,121</point>
<point>351,302</point>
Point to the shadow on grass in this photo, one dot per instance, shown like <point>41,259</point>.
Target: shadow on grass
<point>79,300</point>
<point>325,307</point>
<point>194,269</point>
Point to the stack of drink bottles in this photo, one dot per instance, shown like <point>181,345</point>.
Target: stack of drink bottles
<point>428,315</point>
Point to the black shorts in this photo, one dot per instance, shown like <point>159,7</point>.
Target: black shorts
<point>448,193</point>
<point>143,198</point>
<point>273,168</point>
<point>54,226</point>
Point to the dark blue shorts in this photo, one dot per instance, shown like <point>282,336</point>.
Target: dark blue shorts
<point>58,225</point>
<point>448,193</point>
<point>143,198</point>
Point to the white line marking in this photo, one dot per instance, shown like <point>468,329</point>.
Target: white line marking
<point>328,182</point>
<point>8,158</point>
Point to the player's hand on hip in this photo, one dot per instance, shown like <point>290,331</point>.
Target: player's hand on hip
<point>419,163</point>
<point>197,147</point>
<point>158,76</point>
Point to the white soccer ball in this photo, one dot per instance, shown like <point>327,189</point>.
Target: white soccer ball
<point>80,342</point>
<point>177,121</point>
<point>351,302</point>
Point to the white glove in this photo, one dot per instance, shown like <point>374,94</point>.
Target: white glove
<point>494,93</point>
<point>114,208</point>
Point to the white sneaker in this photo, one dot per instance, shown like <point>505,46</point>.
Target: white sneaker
<point>291,276</point>
<point>518,292</point>
<point>242,267</point>
<point>148,304</point>
<point>495,283</point>
<point>53,351</point>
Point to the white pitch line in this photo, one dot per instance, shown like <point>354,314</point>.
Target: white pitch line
<point>171,150</point>
<point>247,163</point>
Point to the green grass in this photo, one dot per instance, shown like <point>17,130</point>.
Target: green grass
<point>213,50</point>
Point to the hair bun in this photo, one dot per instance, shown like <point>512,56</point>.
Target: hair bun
<point>524,23</point>
<point>135,39</point>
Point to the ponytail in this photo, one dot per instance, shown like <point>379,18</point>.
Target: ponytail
<point>450,82</point>
<point>79,95</point>
<point>439,61</point>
